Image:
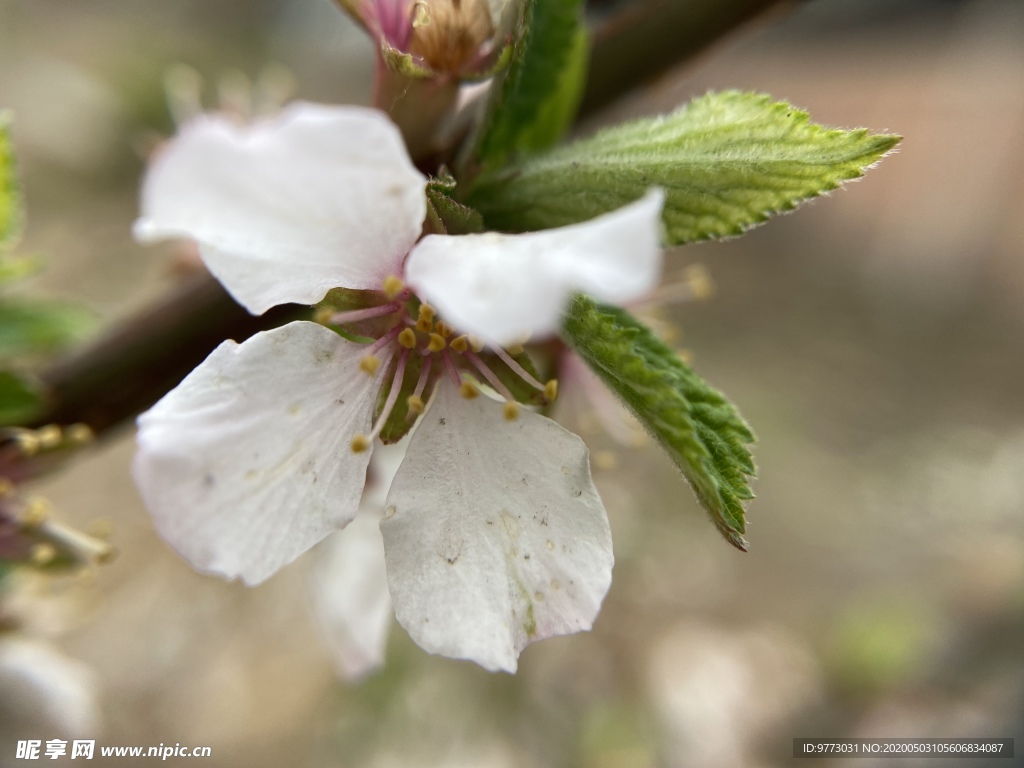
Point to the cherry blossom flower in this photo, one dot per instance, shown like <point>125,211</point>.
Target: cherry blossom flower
<point>494,534</point>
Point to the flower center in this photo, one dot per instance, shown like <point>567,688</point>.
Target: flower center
<point>407,335</point>
<point>448,34</point>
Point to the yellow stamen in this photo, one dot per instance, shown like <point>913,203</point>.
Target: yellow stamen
<point>79,433</point>
<point>551,390</point>
<point>27,442</point>
<point>515,350</point>
<point>700,282</point>
<point>49,436</point>
<point>360,443</point>
<point>468,390</point>
<point>427,313</point>
<point>420,15</point>
<point>392,286</point>
<point>459,344</point>
<point>436,343</point>
<point>369,364</point>
<point>407,338</point>
<point>510,411</point>
<point>443,328</point>
<point>423,325</point>
<point>323,316</point>
<point>475,344</point>
<point>43,553</point>
<point>36,512</point>
<point>416,404</point>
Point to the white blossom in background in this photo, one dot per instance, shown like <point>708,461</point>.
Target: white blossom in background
<point>493,532</point>
<point>44,691</point>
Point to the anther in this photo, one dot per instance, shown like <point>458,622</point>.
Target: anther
<point>323,316</point>
<point>36,512</point>
<point>43,553</point>
<point>420,15</point>
<point>49,436</point>
<point>515,350</point>
<point>551,390</point>
<point>475,344</point>
<point>392,286</point>
<point>510,411</point>
<point>407,338</point>
<point>436,343</point>
<point>427,312</point>
<point>700,282</point>
<point>468,390</point>
<point>442,328</point>
<point>28,442</point>
<point>360,443</point>
<point>424,326</point>
<point>459,344</point>
<point>369,364</point>
<point>79,433</point>
<point>416,404</point>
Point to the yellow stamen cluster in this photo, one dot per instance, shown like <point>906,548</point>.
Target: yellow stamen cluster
<point>510,411</point>
<point>468,390</point>
<point>459,344</point>
<point>449,33</point>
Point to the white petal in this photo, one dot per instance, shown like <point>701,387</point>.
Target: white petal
<point>494,533</point>
<point>247,463</point>
<point>287,208</point>
<point>504,287</point>
<point>349,591</point>
<point>348,583</point>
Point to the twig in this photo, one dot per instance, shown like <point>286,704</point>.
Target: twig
<point>128,369</point>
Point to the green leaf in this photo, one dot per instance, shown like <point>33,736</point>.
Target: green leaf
<point>727,161</point>
<point>11,216</point>
<point>19,400</point>
<point>520,116</point>
<point>28,327</point>
<point>704,434</point>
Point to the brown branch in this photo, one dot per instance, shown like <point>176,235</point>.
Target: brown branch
<point>125,371</point>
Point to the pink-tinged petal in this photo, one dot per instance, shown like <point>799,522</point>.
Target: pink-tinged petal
<point>504,287</point>
<point>289,207</point>
<point>494,533</point>
<point>247,463</point>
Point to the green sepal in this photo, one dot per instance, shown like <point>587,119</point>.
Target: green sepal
<point>28,327</point>
<point>399,423</point>
<point>20,399</point>
<point>517,386</point>
<point>703,433</point>
<point>11,211</point>
<point>404,64</point>
<point>453,217</point>
<point>727,161</point>
<point>545,37</point>
<point>348,299</point>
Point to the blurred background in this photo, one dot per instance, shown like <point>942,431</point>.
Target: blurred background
<point>873,339</point>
